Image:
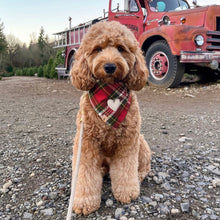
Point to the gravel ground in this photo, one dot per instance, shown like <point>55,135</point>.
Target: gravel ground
<point>37,124</point>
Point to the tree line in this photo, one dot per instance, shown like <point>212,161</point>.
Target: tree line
<point>39,57</point>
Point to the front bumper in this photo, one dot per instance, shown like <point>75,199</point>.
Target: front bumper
<point>211,59</point>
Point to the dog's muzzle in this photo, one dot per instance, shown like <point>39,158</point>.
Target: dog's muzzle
<point>109,68</point>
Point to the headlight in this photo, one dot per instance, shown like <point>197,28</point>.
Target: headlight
<point>199,40</point>
<point>165,20</point>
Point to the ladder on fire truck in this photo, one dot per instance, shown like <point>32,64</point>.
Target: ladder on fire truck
<point>73,36</point>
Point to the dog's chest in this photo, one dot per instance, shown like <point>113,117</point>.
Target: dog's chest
<point>111,141</point>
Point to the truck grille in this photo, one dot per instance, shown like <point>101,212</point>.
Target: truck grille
<point>214,40</point>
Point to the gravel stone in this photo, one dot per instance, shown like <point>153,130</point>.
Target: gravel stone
<point>119,212</point>
<point>146,199</point>
<point>123,218</point>
<point>3,191</point>
<point>214,217</point>
<point>185,206</point>
<point>163,175</point>
<point>47,212</point>
<point>40,203</point>
<point>7,185</point>
<point>157,197</point>
<point>175,211</point>
<point>27,215</point>
<point>216,182</point>
<point>109,203</point>
<point>53,195</point>
<point>163,209</point>
<point>166,186</point>
<point>153,204</point>
<point>157,180</point>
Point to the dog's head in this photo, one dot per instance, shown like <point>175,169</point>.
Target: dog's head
<point>109,53</point>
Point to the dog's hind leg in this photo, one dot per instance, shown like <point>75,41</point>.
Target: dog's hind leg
<point>144,158</point>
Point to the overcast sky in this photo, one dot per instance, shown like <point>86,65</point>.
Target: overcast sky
<point>23,18</point>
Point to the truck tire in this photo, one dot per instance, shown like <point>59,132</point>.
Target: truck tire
<point>71,62</point>
<point>70,66</point>
<point>164,68</point>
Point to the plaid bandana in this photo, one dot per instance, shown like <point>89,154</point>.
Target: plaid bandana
<point>111,102</point>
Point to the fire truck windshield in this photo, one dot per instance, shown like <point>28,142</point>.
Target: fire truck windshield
<point>168,5</point>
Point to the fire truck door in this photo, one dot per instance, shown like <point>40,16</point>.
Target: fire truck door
<point>129,13</point>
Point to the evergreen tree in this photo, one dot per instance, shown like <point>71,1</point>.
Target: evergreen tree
<point>45,70</point>
<point>41,39</point>
<point>58,60</point>
<point>49,67</point>
<point>40,72</point>
<point>3,47</point>
<point>45,48</point>
<point>3,42</point>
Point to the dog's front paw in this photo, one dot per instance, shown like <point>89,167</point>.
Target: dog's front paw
<point>86,205</point>
<point>125,193</point>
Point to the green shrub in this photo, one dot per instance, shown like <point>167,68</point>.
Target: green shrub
<point>53,71</point>
<point>7,74</point>
<point>59,58</point>
<point>40,71</point>
<point>24,71</point>
<point>30,72</point>
<point>45,70</point>
<point>50,66</point>
<point>18,72</point>
<point>9,68</point>
<point>35,70</point>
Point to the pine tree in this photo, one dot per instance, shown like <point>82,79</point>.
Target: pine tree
<point>41,39</point>
<point>3,47</point>
<point>3,42</point>
<point>58,60</point>
<point>42,45</point>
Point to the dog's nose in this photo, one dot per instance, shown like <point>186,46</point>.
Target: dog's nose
<point>110,68</point>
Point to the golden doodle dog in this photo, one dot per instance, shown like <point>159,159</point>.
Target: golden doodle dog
<point>109,65</point>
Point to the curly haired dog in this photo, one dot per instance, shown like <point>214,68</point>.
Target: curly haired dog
<point>109,60</point>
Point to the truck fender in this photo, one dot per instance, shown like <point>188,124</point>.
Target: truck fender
<point>178,37</point>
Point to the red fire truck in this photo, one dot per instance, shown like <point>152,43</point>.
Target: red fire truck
<point>174,37</point>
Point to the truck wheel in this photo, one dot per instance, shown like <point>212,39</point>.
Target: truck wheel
<point>164,68</point>
<point>70,66</point>
<point>71,62</point>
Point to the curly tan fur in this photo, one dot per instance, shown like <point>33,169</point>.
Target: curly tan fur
<point>123,151</point>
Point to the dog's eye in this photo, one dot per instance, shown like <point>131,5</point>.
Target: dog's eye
<point>121,49</point>
<point>97,49</point>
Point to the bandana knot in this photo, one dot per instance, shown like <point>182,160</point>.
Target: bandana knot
<point>111,102</point>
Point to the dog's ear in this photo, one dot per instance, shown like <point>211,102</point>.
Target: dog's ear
<point>81,75</point>
<point>137,77</point>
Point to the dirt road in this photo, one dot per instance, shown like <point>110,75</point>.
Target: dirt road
<point>37,124</point>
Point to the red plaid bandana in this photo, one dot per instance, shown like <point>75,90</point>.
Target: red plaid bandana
<point>111,102</point>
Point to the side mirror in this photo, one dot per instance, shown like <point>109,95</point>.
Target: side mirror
<point>194,3</point>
